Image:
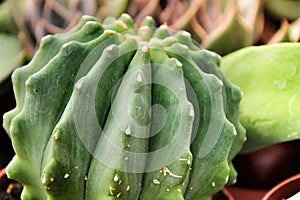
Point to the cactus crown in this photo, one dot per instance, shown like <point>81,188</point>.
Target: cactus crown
<point>108,111</point>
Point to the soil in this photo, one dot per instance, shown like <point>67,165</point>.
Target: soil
<point>9,189</point>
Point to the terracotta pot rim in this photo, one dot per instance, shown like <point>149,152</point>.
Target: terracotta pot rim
<point>3,176</point>
<point>2,172</point>
<point>227,193</point>
<point>284,189</point>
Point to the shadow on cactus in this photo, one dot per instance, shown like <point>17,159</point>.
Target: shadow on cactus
<point>108,111</point>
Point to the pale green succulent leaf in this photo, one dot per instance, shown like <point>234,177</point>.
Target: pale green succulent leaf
<point>269,78</point>
<point>7,23</point>
<point>283,8</point>
<point>10,55</point>
<point>114,8</point>
<point>294,31</point>
<point>231,35</point>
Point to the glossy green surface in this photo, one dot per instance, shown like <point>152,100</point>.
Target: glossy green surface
<point>269,78</point>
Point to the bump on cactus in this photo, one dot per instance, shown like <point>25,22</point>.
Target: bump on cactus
<point>108,111</point>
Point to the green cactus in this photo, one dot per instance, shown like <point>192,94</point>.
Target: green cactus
<point>113,112</point>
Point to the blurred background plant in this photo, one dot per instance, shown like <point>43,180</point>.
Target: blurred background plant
<point>218,25</point>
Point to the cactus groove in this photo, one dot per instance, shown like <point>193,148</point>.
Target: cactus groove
<point>110,111</point>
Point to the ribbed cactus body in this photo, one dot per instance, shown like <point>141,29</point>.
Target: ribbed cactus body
<point>107,111</point>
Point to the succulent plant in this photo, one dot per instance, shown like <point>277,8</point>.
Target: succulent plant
<point>11,54</point>
<point>7,23</point>
<point>270,86</point>
<point>227,25</point>
<point>218,25</point>
<point>232,23</point>
<point>107,111</point>
<point>11,57</point>
<point>35,19</point>
<point>288,32</point>
<point>288,9</point>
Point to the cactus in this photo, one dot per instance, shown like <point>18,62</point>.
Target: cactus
<point>107,111</point>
